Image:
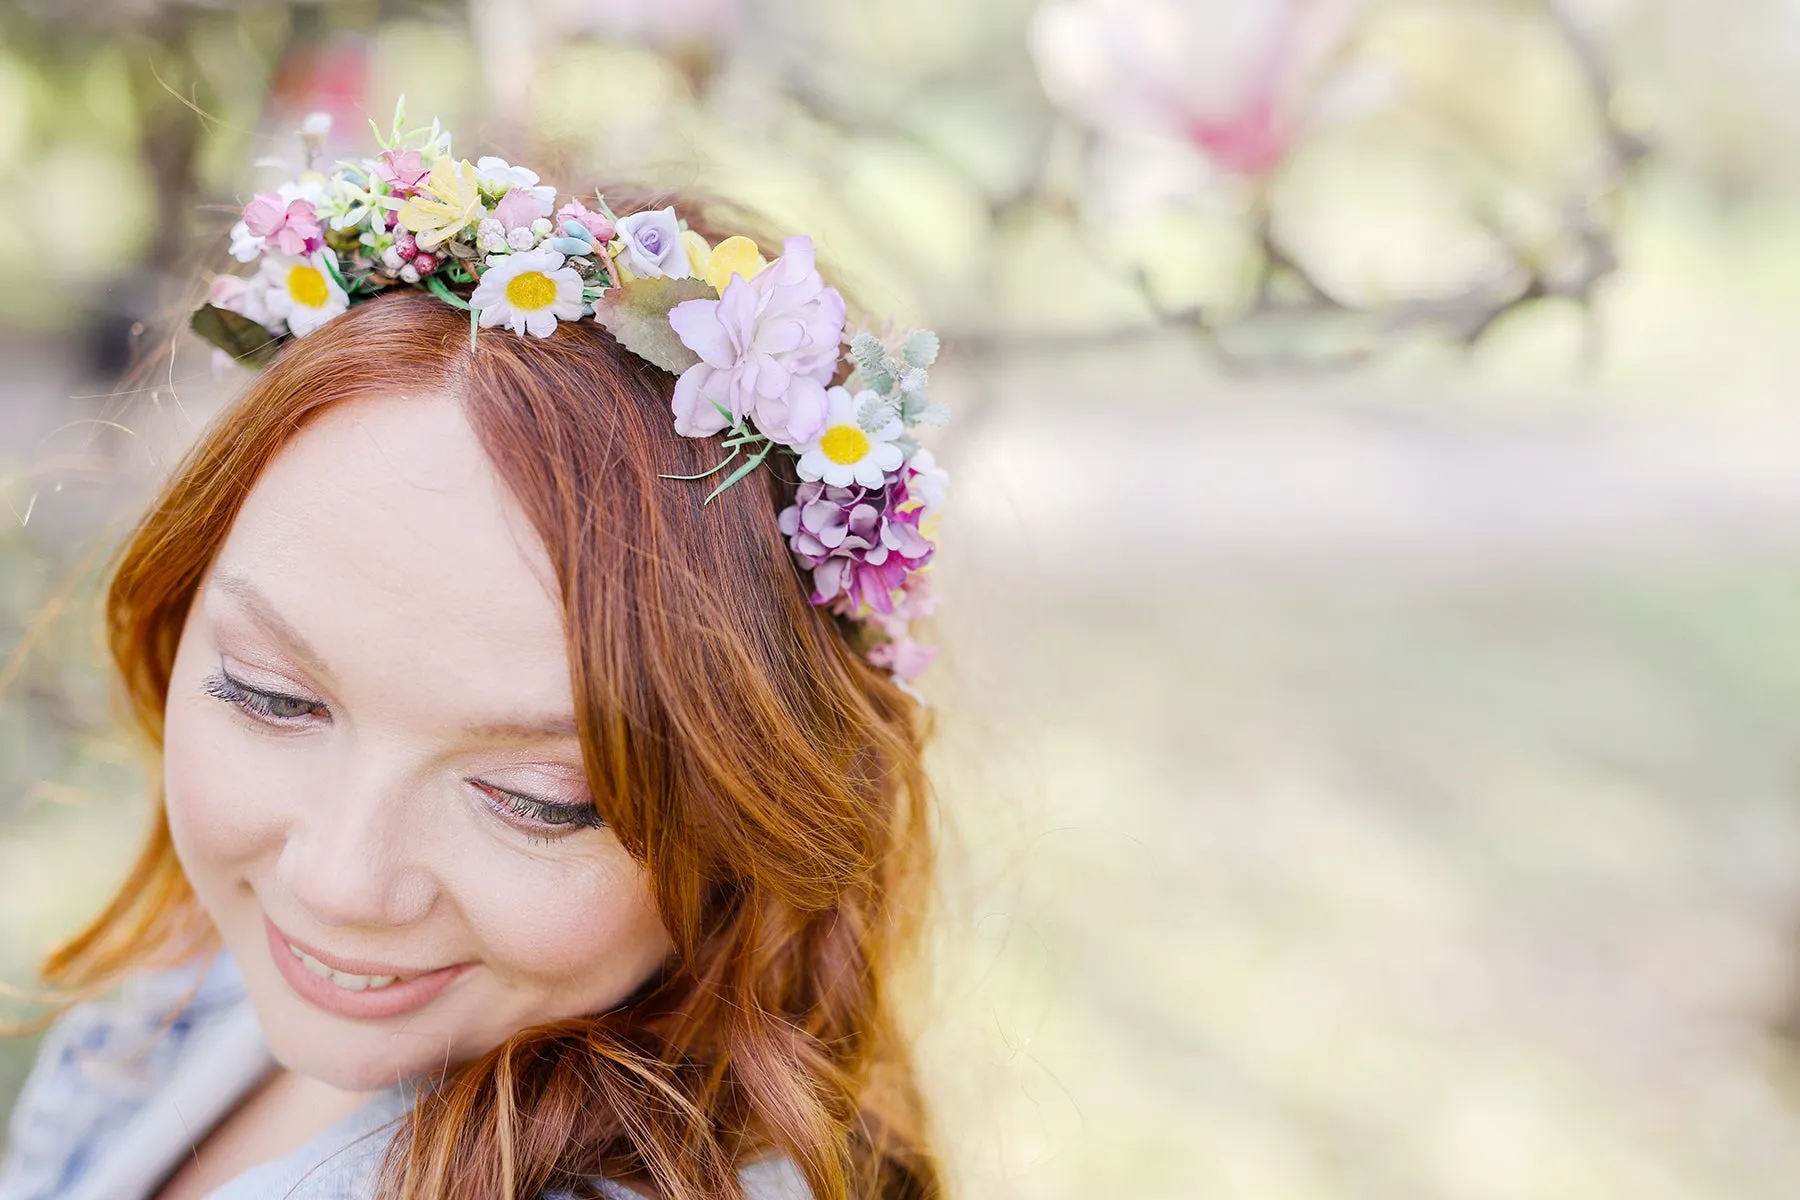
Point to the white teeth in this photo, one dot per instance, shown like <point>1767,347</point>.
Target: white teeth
<point>343,979</point>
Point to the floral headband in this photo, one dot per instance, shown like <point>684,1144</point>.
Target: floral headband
<point>755,344</point>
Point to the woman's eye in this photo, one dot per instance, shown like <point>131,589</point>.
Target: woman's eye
<point>539,816</point>
<point>271,708</point>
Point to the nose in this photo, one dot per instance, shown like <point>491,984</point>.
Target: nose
<point>353,858</point>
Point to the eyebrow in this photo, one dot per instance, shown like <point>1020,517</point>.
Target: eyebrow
<point>257,605</point>
<point>264,614</point>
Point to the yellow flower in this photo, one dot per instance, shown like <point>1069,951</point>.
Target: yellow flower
<point>450,203</point>
<point>697,250</point>
<point>733,256</point>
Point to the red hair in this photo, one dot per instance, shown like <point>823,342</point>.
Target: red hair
<point>768,778</point>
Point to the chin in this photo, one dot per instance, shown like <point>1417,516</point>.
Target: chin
<point>353,1056</point>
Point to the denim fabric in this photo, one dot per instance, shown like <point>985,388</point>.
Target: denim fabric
<point>121,1089</point>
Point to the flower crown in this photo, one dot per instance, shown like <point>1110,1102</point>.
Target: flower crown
<point>755,343</point>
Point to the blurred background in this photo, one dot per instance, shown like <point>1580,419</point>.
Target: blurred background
<point>1368,753</point>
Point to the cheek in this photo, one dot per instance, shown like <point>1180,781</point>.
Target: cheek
<point>590,924</point>
<point>216,786</point>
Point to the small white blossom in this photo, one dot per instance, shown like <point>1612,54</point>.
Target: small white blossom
<point>521,238</point>
<point>497,175</point>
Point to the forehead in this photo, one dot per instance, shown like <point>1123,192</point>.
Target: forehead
<point>382,533</point>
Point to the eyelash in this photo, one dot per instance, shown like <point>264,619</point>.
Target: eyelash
<point>257,703</point>
<point>548,821</point>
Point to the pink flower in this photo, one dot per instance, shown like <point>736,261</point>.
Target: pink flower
<point>861,544</point>
<point>403,170</point>
<point>767,349</point>
<point>516,210</point>
<point>1239,82</point>
<point>906,658</point>
<point>595,223</point>
<point>248,297</point>
<point>290,227</point>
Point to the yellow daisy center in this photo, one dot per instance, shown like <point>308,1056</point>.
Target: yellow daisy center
<point>844,444</point>
<point>307,286</point>
<point>530,290</point>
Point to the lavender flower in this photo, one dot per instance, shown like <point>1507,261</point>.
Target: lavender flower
<point>653,244</point>
<point>767,349</point>
<point>861,544</point>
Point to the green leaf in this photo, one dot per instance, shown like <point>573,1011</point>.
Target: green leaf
<point>873,413</point>
<point>637,313</point>
<point>437,287</point>
<point>235,334</point>
<point>868,353</point>
<point>920,348</point>
<point>722,464</point>
<point>750,464</point>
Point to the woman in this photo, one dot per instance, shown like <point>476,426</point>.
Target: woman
<point>538,817</point>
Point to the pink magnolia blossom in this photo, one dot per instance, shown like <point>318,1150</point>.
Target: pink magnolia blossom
<point>1239,81</point>
<point>767,349</point>
<point>289,227</point>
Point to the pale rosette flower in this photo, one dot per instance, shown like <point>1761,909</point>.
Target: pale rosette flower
<point>844,452</point>
<point>502,178</point>
<point>861,544</point>
<point>767,349</point>
<point>528,292</point>
<point>304,292</point>
<point>651,244</point>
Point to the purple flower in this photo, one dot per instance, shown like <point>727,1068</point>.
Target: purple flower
<point>653,244</point>
<point>861,544</point>
<point>767,349</point>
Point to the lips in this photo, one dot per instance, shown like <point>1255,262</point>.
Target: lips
<point>358,990</point>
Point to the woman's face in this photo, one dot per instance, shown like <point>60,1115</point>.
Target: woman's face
<point>371,767</point>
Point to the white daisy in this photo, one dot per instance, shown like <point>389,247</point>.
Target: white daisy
<point>529,292</point>
<point>844,452</point>
<point>302,291</point>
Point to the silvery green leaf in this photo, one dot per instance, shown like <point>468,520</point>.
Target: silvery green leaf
<point>913,379</point>
<point>920,348</point>
<point>909,445</point>
<point>868,353</point>
<point>881,383</point>
<point>637,313</point>
<point>874,413</point>
<point>932,414</point>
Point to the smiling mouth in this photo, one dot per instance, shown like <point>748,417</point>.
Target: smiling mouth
<point>344,979</point>
<point>373,992</point>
